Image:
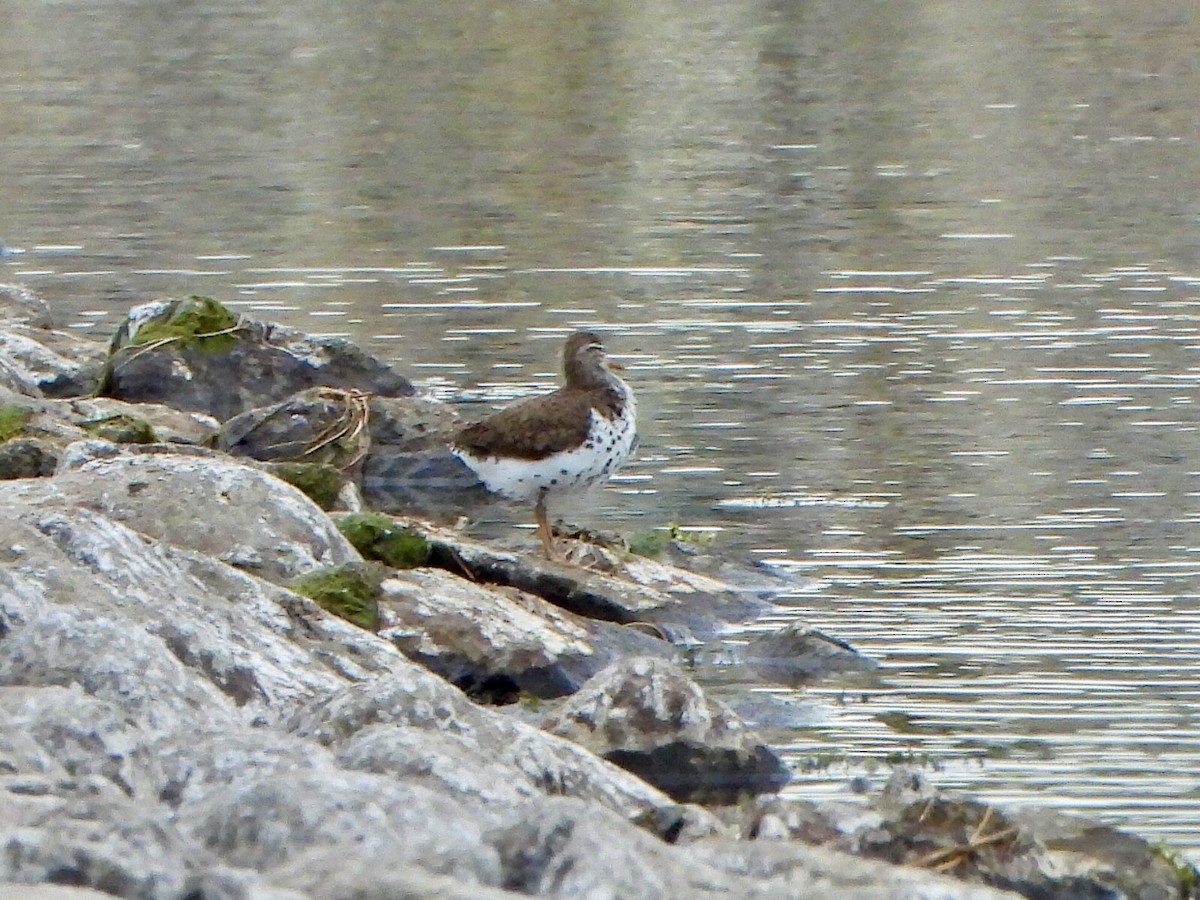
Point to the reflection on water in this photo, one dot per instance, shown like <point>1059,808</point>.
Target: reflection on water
<point>911,300</point>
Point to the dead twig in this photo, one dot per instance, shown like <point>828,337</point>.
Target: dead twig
<point>171,339</point>
<point>948,858</point>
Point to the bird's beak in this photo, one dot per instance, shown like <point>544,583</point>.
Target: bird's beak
<point>613,364</point>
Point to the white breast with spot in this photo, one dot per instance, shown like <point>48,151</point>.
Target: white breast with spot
<point>609,444</point>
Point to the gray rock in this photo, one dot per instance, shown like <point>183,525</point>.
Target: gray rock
<point>18,380</point>
<point>300,427</point>
<point>486,640</point>
<point>166,495</point>
<point>176,636</point>
<point>257,365</point>
<point>790,869</point>
<point>265,820</point>
<point>419,701</point>
<point>318,425</point>
<point>58,363</point>
<point>18,304</point>
<point>170,425</point>
<point>62,730</point>
<point>648,717</point>
<point>27,458</point>
<point>11,891</point>
<point>117,846</point>
<point>48,644</point>
<point>568,850</point>
<point>354,873</point>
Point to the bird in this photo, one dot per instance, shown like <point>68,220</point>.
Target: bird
<point>558,443</point>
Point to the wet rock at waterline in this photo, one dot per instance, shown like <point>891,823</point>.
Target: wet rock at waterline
<point>799,654</point>
<point>500,642</point>
<point>648,717</point>
<point>644,593</point>
<point>1034,853</point>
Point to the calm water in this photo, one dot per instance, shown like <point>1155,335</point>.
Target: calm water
<point>910,293</point>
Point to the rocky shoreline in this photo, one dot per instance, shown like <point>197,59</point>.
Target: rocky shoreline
<point>243,654</point>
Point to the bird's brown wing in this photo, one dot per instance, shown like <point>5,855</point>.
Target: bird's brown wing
<point>531,429</point>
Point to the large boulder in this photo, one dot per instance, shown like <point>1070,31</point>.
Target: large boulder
<point>195,355</point>
<point>213,505</point>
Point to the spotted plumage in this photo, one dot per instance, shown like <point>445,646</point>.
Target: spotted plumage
<point>562,442</point>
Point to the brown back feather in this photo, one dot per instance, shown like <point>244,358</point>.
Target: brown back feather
<point>536,427</point>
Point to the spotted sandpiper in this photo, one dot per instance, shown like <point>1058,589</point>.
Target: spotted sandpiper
<point>559,443</point>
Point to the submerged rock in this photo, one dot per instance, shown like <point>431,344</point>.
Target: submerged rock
<point>798,654</point>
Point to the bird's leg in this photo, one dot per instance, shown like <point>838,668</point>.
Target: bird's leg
<point>543,523</point>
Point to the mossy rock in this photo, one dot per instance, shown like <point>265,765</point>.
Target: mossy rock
<point>320,483</point>
<point>13,420</point>
<point>350,591</point>
<point>376,536</point>
<point>651,544</point>
<point>195,322</point>
<point>122,429</point>
<point>657,541</point>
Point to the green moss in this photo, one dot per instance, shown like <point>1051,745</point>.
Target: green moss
<point>13,420</point>
<point>531,702</point>
<point>351,591</point>
<point>122,429</point>
<point>652,544</point>
<point>196,321</point>
<point>656,542</point>
<point>320,483</point>
<point>376,536</point>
